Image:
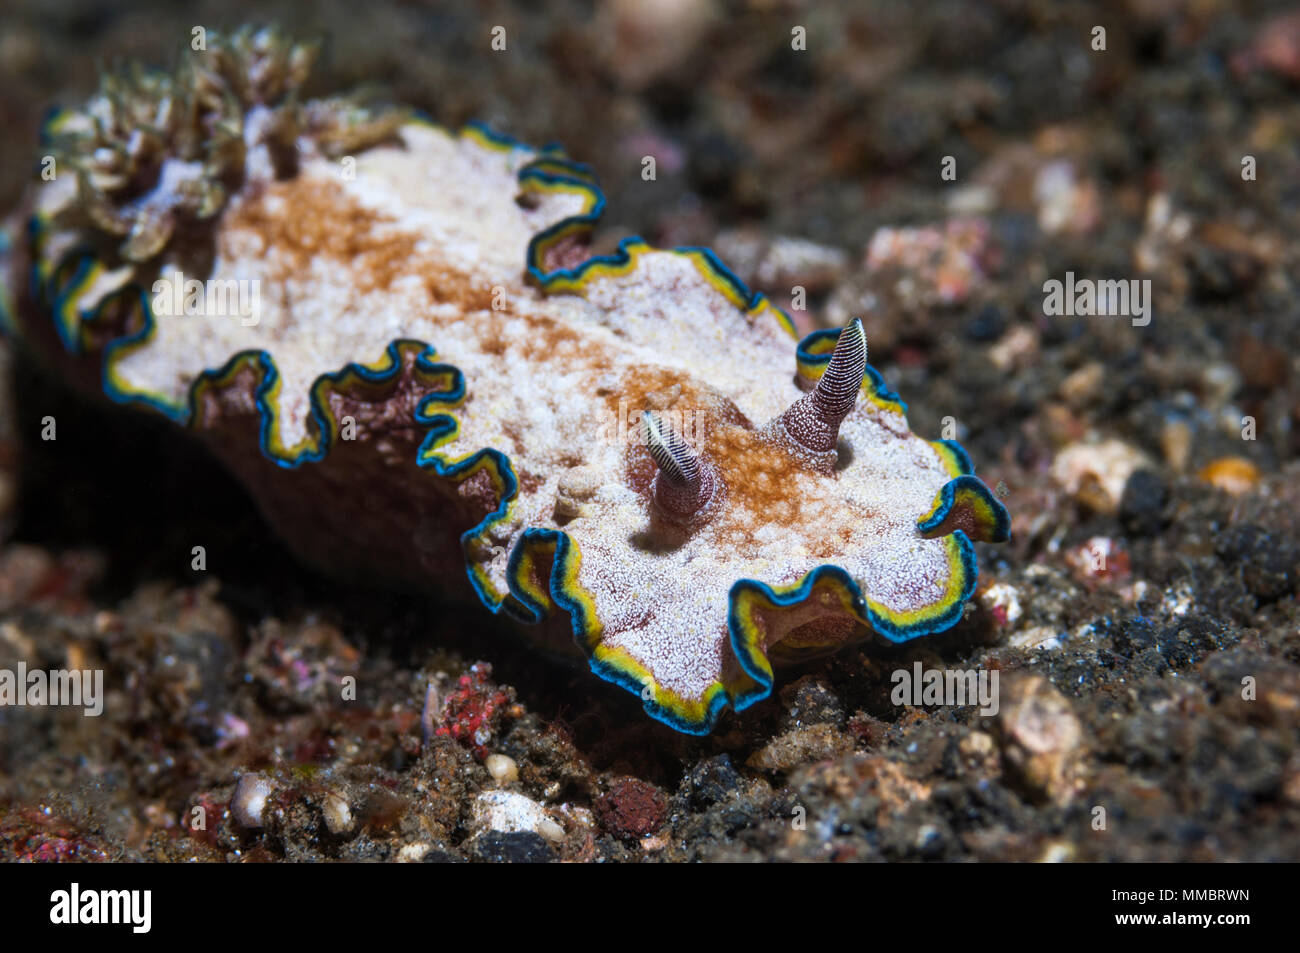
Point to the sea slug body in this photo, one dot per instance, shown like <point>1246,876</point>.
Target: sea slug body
<point>432,381</point>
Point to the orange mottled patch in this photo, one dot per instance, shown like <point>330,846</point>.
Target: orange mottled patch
<point>757,473</point>
<point>544,336</point>
<point>326,223</point>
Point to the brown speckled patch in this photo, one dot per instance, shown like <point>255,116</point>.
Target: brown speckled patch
<point>326,223</point>
<point>756,471</point>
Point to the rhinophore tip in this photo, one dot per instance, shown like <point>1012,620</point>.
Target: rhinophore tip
<point>684,484</point>
<point>813,421</point>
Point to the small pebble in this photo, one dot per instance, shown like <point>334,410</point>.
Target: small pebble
<point>249,799</point>
<point>1141,508</point>
<point>502,768</point>
<point>1057,852</point>
<point>1233,475</point>
<point>550,830</point>
<point>632,809</point>
<point>1042,739</point>
<point>338,814</point>
<point>1176,443</point>
<point>1003,601</point>
<point>412,853</point>
<point>1083,385</point>
<point>1095,473</point>
<point>507,812</point>
<point>512,847</point>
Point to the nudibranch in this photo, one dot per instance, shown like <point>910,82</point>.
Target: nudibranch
<point>431,381</point>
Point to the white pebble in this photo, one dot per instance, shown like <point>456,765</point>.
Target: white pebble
<point>502,768</point>
<point>250,799</point>
<point>509,812</point>
<point>338,814</point>
<point>552,831</point>
<point>412,853</point>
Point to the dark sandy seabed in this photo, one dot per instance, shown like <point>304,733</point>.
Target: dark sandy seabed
<point>1121,686</point>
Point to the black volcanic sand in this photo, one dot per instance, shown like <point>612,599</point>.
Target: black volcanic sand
<point>1162,689</point>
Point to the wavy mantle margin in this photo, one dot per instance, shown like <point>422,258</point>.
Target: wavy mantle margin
<point>542,568</point>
